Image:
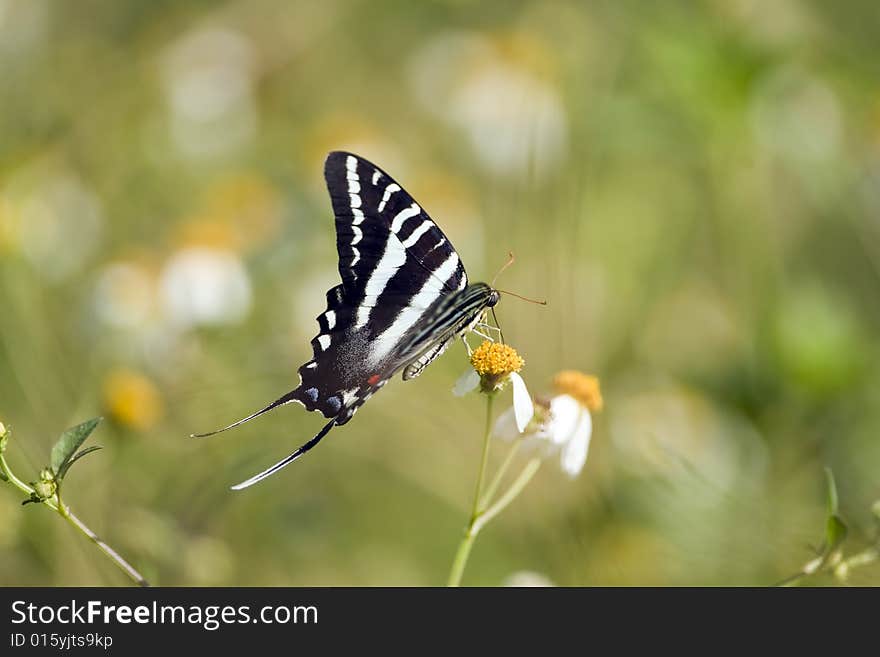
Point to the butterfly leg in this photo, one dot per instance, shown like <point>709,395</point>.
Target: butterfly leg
<point>467,346</point>
<point>482,335</point>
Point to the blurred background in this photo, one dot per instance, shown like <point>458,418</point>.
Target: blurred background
<point>695,189</point>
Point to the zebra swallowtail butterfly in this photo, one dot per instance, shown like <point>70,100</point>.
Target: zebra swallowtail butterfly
<point>404,298</point>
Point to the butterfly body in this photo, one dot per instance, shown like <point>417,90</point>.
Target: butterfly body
<point>403,299</point>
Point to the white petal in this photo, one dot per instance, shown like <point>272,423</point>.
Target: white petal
<point>574,452</point>
<point>565,412</point>
<point>466,383</point>
<point>524,578</point>
<point>523,407</point>
<point>505,426</point>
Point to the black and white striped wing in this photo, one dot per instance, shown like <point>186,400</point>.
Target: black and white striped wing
<point>402,297</point>
<point>395,264</point>
<point>387,243</point>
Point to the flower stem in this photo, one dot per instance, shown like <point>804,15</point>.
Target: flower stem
<point>464,548</point>
<point>510,495</point>
<point>61,509</point>
<point>461,557</point>
<point>126,567</point>
<point>496,480</point>
<point>485,457</point>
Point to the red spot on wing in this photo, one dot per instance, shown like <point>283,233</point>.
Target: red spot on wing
<point>373,380</point>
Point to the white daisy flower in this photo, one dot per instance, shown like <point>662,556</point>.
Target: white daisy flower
<point>494,365</point>
<point>563,425</point>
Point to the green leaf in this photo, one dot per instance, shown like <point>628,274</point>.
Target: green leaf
<point>835,527</point>
<point>832,492</point>
<point>75,458</point>
<point>835,533</point>
<point>69,443</point>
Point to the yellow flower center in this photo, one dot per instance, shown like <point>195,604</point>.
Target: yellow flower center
<point>583,387</point>
<point>494,359</point>
<point>132,399</point>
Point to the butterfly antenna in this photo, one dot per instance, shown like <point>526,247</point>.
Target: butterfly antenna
<point>288,459</point>
<point>510,261</point>
<point>540,302</point>
<point>278,402</point>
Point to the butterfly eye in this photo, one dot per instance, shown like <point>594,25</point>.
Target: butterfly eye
<point>494,297</point>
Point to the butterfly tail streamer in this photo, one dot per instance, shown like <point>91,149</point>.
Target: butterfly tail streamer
<point>289,397</point>
<point>287,459</point>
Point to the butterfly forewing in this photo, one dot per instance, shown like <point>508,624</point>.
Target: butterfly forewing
<point>369,206</point>
<point>395,264</point>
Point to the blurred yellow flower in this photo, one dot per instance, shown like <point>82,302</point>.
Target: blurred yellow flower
<point>240,211</point>
<point>249,204</point>
<point>206,231</point>
<point>583,387</point>
<point>348,132</point>
<point>132,400</point>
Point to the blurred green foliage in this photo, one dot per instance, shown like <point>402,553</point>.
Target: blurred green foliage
<point>694,187</point>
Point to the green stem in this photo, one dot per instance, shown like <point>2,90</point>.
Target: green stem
<point>487,435</point>
<point>496,480</point>
<point>461,557</point>
<point>126,567</point>
<point>18,483</point>
<point>840,569</point>
<point>464,548</point>
<point>61,509</point>
<point>515,489</point>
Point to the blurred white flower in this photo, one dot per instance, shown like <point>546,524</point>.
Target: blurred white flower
<point>205,286</point>
<point>23,25</point>
<point>209,87</point>
<point>527,578</point>
<point>574,440</point>
<point>563,426</point>
<point>514,119</point>
<point>124,294</point>
<point>796,116</point>
<point>60,225</point>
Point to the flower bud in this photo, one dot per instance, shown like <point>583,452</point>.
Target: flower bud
<point>44,489</point>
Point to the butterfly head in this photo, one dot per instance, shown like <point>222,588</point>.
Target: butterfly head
<point>494,298</point>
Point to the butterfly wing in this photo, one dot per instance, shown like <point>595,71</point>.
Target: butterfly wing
<point>397,267</point>
<point>370,207</point>
<point>395,264</point>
